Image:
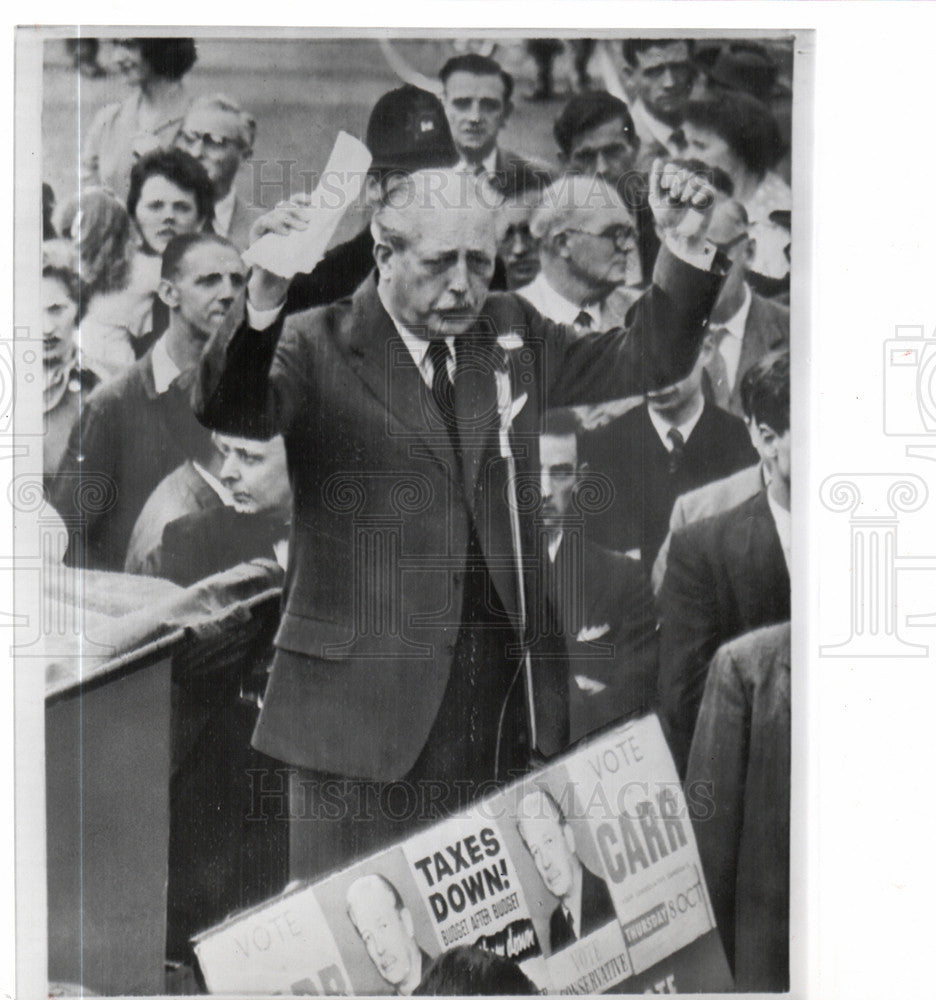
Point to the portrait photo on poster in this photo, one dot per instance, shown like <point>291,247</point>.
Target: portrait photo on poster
<point>402,493</point>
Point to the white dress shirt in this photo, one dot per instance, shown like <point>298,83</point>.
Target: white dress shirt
<point>650,129</point>
<point>546,300</point>
<point>784,526</point>
<point>730,346</point>
<point>165,370</point>
<point>489,163</point>
<point>224,212</point>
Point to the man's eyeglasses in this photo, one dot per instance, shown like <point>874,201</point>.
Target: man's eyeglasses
<point>209,140</point>
<point>620,235</point>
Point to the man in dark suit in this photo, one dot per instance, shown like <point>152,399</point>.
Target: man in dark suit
<point>410,416</point>
<point>137,428</point>
<point>730,573</point>
<point>584,901</point>
<point>477,97</point>
<point>741,753</point>
<point>745,326</point>
<point>674,442</point>
<point>599,599</point>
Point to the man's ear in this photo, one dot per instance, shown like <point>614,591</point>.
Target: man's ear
<point>707,350</point>
<point>559,244</point>
<point>569,838</point>
<point>750,251</point>
<point>768,438</point>
<point>382,256</point>
<point>167,291</point>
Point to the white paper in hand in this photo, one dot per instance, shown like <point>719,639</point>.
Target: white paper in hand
<point>301,251</point>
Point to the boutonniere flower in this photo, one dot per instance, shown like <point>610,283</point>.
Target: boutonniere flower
<point>507,408</point>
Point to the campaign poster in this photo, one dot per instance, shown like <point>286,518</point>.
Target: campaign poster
<point>381,924</point>
<point>282,946</point>
<point>626,790</point>
<point>563,880</point>
<point>472,889</point>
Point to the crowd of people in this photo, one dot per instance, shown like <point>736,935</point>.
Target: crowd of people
<point>607,334</point>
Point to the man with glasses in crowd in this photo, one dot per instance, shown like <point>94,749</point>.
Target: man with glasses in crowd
<point>220,135</point>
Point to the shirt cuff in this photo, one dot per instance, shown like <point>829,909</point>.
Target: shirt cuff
<point>262,319</point>
<point>703,258</point>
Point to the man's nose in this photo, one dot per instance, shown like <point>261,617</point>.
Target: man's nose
<point>518,245</point>
<point>458,278</point>
<point>669,78</point>
<point>601,164</point>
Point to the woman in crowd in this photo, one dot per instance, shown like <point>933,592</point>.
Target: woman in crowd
<point>148,118</point>
<point>98,225</point>
<point>738,133</point>
<point>64,378</point>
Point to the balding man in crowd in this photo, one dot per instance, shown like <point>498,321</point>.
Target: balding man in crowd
<point>220,135</point>
<point>589,267</point>
<point>138,427</point>
<point>413,403</point>
<point>385,925</point>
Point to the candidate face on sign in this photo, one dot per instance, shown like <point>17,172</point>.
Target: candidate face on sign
<point>551,844</point>
<point>386,928</point>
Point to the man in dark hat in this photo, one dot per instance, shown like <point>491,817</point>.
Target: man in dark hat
<point>407,131</point>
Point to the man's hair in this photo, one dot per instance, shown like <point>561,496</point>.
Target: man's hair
<point>182,170</point>
<point>180,245</point>
<point>570,195</point>
<point>747,127</point>
<point>247,125</point>
<point>584,112</point>
<point>60,261</point>
<point>546,794</point>
<point>765,391</point>
<point>632,47</point>
<point>170,58</point>
<point>478,65</point>
<point>560,422</point>
<point>398,903</point>
<point>469,970</point>
<point>428,190</point>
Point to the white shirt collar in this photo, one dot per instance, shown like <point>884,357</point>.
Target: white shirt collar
<point>489,163</point>
<point>784,525</point>
<point>663,427</point>
<point>165,370</point>
<point>650,128</point>
<point>546,300</point>
<point>419,347</point>
<point>736,323</point>
<point>224,212</point>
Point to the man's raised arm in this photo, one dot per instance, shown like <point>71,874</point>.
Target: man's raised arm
<point>665,327</point>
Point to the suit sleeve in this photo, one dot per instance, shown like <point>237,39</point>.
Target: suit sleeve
<point>252,383</point>
<point>717,772</point>
<point>658,345</point>
<point>688,637</point>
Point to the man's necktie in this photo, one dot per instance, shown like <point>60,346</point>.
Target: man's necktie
<point>679,445</point>
<point>677,140</point>
<point>570,923</point>
<point>583,322</point>
<point>442,387</point>
<point>718,370</point>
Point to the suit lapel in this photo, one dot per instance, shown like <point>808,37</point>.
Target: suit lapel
<point>382,361</point>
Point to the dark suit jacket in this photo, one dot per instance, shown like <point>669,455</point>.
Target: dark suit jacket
<point>726,575</point>
<point>767,329</point>
<point>128,438</point>
<point>629,451</point>
<point>383,504</point>
<point>597,910</point>
<point>205,542</point>
<point>608,619</point>
<point>741,750</point>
